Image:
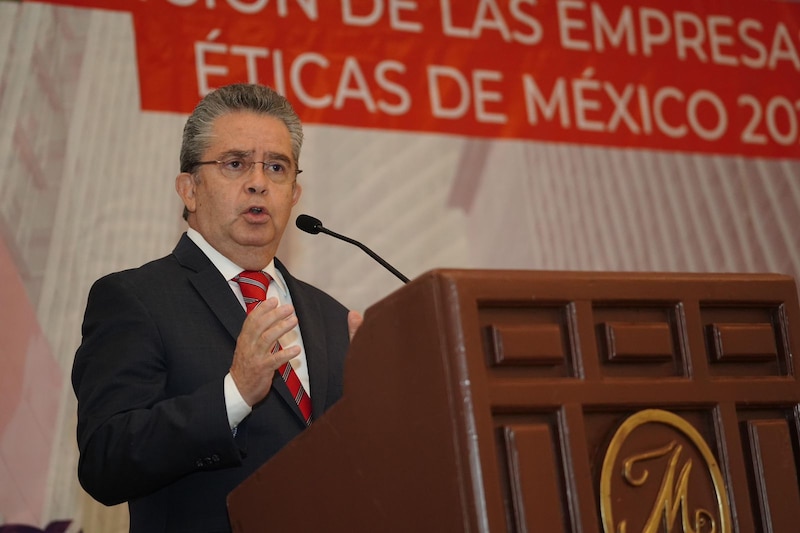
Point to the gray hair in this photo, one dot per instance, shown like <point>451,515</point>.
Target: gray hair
<point>248,97</point>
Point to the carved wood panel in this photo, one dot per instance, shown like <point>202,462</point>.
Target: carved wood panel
<point>642,406</point>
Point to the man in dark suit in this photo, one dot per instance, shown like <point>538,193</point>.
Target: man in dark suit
<point>179,398</point>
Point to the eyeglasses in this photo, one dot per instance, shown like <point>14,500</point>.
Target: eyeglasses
<point>279,172</point>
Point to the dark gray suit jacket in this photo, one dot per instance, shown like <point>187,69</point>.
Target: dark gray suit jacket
<point>152,427</point>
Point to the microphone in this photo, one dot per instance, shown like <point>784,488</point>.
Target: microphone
<point>313,226</point>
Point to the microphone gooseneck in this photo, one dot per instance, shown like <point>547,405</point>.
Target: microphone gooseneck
<point>313,226</point>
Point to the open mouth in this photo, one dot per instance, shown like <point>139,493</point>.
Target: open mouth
<point>256,210</point>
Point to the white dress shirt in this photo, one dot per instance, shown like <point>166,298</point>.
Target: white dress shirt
<point>235,405</point>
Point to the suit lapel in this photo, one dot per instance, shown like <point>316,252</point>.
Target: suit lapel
<point>211,286</point>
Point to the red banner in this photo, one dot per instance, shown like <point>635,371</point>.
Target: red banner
<point>710,77</point>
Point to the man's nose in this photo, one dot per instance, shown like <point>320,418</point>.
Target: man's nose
<point>257,180</point>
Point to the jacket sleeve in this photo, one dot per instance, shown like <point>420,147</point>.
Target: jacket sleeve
<point>134,437</point>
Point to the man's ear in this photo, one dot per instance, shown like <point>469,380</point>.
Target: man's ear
<point>297,190</point>
<point>185,187</point>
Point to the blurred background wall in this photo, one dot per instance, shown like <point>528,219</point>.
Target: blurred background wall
<point>88,166</point>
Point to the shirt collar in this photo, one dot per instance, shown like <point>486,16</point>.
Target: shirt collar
<point>228,268</point>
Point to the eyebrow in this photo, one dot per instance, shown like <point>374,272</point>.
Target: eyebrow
<point>245,154</point>
<point>235,153</point>
<point>276,156</point>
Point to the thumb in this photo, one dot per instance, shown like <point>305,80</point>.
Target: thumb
<point>354,321</point>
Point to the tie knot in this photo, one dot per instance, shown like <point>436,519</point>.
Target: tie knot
<point>254,287</point>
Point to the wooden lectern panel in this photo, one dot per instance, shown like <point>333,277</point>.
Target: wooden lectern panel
<point>481,401</point>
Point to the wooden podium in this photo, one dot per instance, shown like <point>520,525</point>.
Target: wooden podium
<point>480,401</point>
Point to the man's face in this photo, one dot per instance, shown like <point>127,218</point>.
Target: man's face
<point>243,218</point>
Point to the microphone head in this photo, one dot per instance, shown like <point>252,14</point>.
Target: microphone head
<point>309,224</point>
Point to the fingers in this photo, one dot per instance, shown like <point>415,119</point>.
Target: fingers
<point>284,355</point>
<point>354,321</point>
<point>269,322</point>
<point>254,362</point>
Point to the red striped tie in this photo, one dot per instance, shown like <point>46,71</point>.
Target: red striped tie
<point>254,289</point>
